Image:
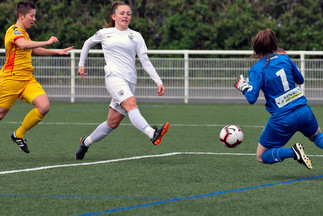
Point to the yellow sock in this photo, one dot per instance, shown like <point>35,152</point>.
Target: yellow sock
<point>31,119</point>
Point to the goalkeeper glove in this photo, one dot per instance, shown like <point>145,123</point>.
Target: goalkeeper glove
<point>242,84</point>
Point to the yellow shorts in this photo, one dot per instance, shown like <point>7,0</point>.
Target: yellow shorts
<point>11,90</point>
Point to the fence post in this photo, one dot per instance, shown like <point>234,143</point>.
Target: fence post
<point>72,76</point>
<point>302,55</point>
<point>186,77</point>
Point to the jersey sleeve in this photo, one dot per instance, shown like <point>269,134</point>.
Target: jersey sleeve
<point>14,34</point>
<point>297,75</point>
<point>141,50</point>
<point>141,47</point>
<point>255,83</point>
<point>92,41</point>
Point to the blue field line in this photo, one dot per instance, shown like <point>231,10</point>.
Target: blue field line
<point>77,196</point>
<point>195,197</point>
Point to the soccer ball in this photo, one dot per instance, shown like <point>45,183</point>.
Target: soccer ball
<point>231,136</point>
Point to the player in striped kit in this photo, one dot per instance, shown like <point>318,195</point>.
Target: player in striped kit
<point>277,76</point>
<point>121,45</point>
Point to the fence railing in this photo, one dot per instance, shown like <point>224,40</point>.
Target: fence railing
<point>189,76</point>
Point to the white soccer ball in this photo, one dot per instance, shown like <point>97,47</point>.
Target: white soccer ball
<point>231,136</point>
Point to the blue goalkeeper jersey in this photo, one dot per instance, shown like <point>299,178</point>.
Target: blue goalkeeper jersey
<point>278,81</point>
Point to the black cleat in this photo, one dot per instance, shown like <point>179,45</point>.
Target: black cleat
<point>21,142</point>
<point>82,150</point>
<point>300,156</point>
<point>156,140</point>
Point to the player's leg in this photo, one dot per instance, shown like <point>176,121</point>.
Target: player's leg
<point>155,134</point>
<point>276,134</point>
<point>42,107</point>
<point>272,139</point>
<point>31,119</point>
<point>273,155</point>
<point>9,93</point>
<point>123,93</point>
<point>32,93</point>
<point>310,127</point>
<point>103,130</point>
<point>317,138</point>
<point>135,117</point>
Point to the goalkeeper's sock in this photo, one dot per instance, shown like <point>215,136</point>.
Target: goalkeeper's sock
<point>318,140</point>
<point>275,155</point>
<point>98,134</point>
<point>140,122</point>
<point>31,119</point>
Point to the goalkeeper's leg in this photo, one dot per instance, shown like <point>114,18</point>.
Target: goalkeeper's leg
<point>273,155</point>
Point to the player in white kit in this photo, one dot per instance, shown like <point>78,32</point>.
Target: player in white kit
<point>121,45</point>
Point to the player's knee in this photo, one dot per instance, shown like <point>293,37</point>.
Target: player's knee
<point>44,109</point>
<point>259,158</point>
<point>129,104</point>
<point>113,124</point>
<point>3,114</point>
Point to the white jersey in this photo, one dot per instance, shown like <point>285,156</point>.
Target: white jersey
<point>120,49</point>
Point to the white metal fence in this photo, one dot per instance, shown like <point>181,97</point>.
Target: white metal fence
<point>188,75</point>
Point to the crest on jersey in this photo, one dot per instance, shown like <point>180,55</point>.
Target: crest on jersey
<point>121,92</point>
<point>130,36</point>
<point>17,32</point>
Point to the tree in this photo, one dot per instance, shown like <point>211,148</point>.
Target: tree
<point>181,24</point>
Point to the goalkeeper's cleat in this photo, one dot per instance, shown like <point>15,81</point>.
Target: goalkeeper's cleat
<point>158,134</point>
<point>21,142</point>
<point>82,150</point>
<point>300,156</point>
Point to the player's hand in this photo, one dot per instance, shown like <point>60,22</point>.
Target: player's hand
<point>52,40</point>
<point>242,84</point>
<point>81,72</point>
<point>161,90</point>
<point>65,51</point>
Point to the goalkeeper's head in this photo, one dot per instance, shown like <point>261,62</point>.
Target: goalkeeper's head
<point>264,43</point>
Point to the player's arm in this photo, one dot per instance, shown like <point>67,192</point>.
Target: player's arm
<point>24,44</point>
<point>141,50</point>
<point>47,52</point>
<point>250,87</point>
<point>255,82</point>
<point>297,75</point>
<point>92,41</point>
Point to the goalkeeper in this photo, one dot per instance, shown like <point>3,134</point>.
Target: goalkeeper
<point>277,76</point>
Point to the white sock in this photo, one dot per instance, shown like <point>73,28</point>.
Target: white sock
<point>99,133</point>
<point>140,123</point>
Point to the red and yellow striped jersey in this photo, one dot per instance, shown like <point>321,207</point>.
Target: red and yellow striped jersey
<point>18,61</point>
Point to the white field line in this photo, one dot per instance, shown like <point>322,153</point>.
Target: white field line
<point>175,125</point>
<point>112,161</point>
<point>126,159</point>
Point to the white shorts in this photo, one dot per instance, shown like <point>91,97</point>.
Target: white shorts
<point>120,90</point>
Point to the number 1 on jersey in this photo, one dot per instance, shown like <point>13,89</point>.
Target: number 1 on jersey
<point>281,73</point>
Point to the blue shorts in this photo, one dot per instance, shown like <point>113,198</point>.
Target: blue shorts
<point>280,129</point>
